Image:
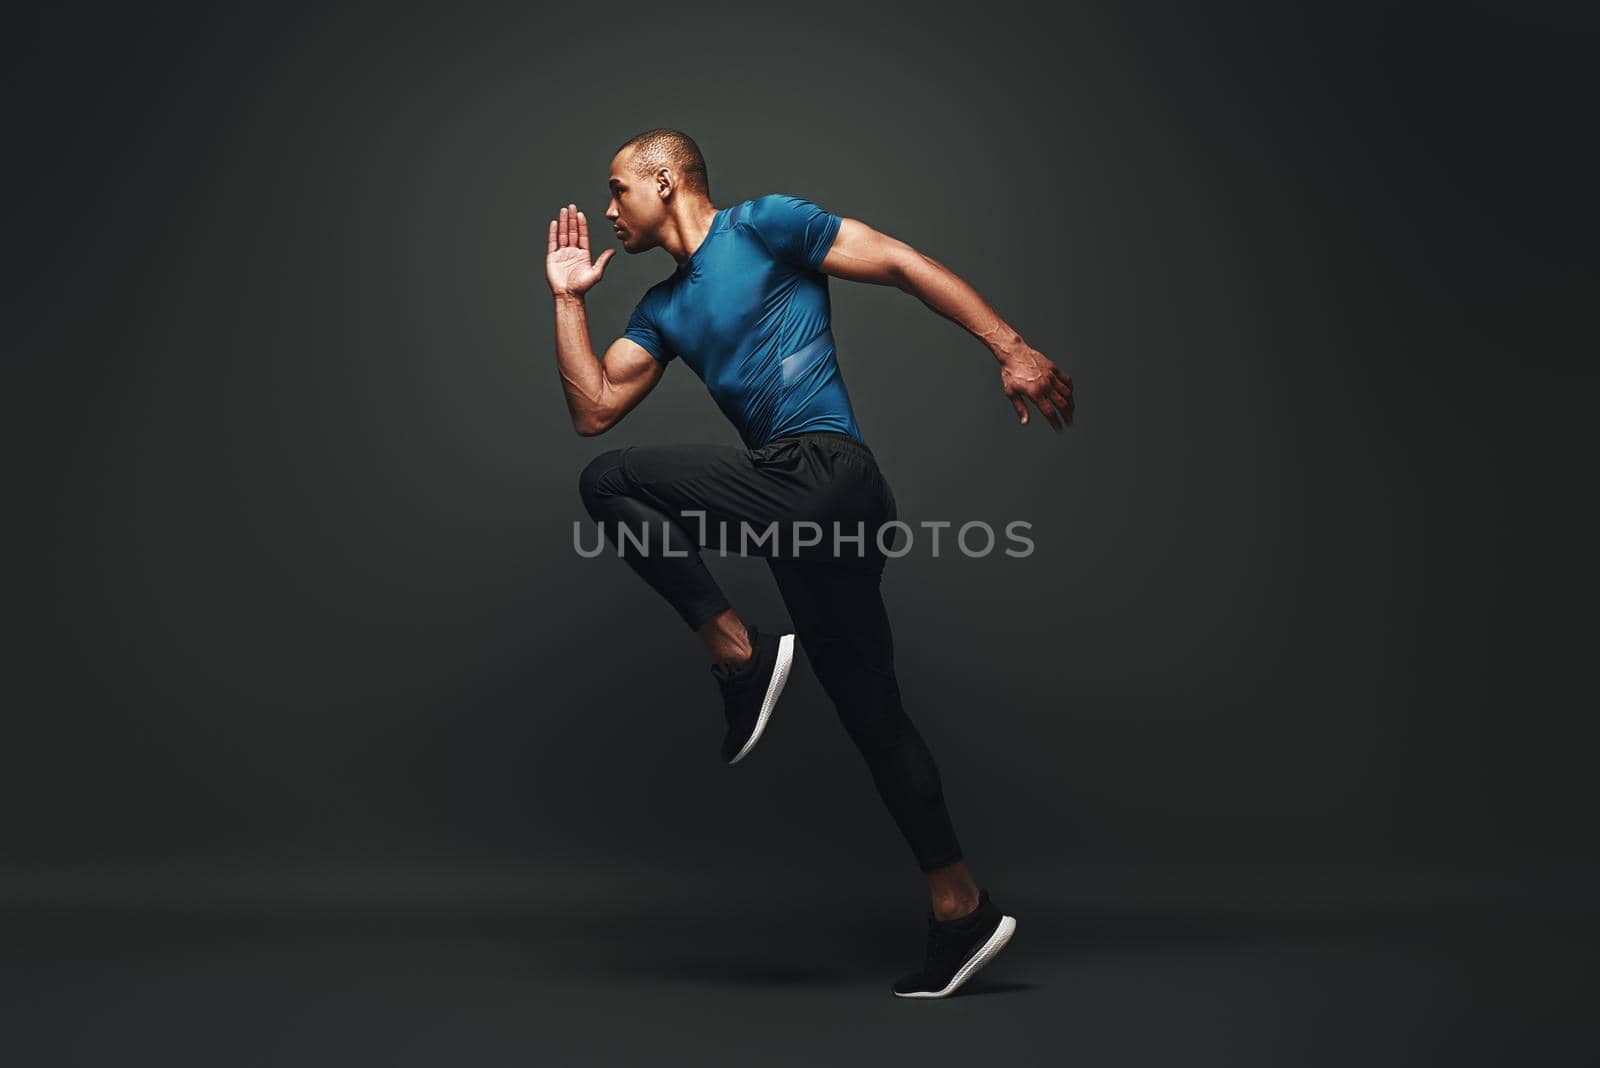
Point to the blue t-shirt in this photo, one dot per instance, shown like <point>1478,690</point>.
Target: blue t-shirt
<point>749,313</point>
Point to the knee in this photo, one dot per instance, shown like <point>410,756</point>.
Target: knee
<point>598,479</point>
<point>866,698</point>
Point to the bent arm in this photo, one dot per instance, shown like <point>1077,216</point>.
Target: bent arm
<point>599,391</point>
<point>862,254</point>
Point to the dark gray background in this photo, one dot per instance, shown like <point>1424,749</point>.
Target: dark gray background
<point>294,614</point>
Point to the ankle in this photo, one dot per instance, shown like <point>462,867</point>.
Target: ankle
<point>727,640</point>
<point>735,654</point>
<point>954,891</point>
<point>954,905</point>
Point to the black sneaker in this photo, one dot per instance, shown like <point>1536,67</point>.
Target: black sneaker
<point>957,949</point>
<point>749,694</point>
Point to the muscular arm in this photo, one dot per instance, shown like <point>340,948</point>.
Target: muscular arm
<point>861,254</point>
<point>599,392</point>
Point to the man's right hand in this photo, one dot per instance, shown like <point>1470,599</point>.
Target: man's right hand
<point>566,261</point>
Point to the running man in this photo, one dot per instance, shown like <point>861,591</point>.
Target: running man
<point>747,309</point>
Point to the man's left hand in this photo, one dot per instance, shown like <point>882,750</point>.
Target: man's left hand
<point>1025,372</point>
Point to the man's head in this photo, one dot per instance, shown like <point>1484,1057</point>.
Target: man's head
<point>650,174</point>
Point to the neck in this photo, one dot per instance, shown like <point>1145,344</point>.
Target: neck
<point>688,229</point>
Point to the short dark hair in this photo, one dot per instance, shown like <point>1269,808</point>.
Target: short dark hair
<point>671,148</point>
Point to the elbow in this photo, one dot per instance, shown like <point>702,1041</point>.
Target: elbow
<point>591,414</point>
<point>592,422</point>
<point>905,266</point>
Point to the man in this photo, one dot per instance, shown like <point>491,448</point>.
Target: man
<point>747,309</point>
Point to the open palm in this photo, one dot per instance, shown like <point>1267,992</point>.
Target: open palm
<point>566,261</point>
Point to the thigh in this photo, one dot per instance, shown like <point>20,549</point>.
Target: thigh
<point>743,500</point>
<point>726,484</point>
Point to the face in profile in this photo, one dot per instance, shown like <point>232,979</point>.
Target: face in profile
<point>636,209</point>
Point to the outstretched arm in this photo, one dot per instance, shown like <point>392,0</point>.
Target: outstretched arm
<point>861,254</point>
<point>599,392</point>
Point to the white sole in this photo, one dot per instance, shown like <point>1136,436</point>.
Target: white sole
<point>997,942</point>
<point>780,676</point>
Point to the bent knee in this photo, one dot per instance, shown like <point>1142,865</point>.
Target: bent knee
<point>599,477</point>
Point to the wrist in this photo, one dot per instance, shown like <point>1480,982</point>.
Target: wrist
<point>1005,343</point>
<point>568,299</point>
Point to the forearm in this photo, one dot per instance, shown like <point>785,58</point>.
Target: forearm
<point>952,297</point>
<point>863,254</point>
<point>582,375</point>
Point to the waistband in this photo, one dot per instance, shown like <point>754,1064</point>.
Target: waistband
<point>832,438</point>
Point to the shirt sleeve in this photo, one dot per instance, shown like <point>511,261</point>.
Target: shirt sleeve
<point>642,332</point>
<point>794,229</point>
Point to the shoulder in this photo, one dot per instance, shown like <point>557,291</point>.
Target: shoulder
<point>787,219</point>
<point>776,206</point>
<point>651,302</point>
<point>740,214</point>
<point>658,292</point>
<point>793,228</point>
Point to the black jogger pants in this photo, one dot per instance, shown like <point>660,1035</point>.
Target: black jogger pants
<point>812,504</point>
